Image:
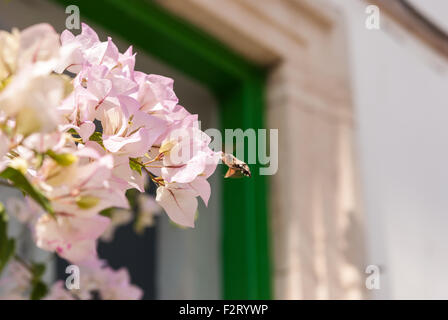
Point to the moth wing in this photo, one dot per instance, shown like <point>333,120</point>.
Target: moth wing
<point>232,173</point>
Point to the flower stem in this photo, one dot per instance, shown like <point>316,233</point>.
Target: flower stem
<point>153,178</point>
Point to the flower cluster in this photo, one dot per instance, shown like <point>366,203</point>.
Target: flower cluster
<point>98,281</point>
<point>79,127</point>
<point>49,123</point>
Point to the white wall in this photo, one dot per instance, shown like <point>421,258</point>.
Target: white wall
<point>401,100</point>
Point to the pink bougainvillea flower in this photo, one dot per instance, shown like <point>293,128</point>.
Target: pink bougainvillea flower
<point>72,237</point>
<point>9,46</point>
<point>39,42</point>
<point>41,142</point>
<point>98,279</point>
<point>179,203</point>
<point>86,129</point>
<point>19,50</point>
<point>116,285</point>
<point>179,199</point>
<point>126,64</point>
<point>25,210</point>
<point>127,130</point>
<point>155,93</point>
<point>58,291</point>
<point>83,187</point>
<point>77,48</point>
<point>187,155</point>
<point>32,98</point>
<point>109,284</point>
<point>16,284</point>
<point>128,126</point>
<point>122,178</point>
<point>202,188</point>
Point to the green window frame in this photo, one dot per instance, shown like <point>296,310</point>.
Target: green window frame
<point>239,87</point>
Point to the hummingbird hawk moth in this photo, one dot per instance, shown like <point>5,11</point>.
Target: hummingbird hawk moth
<point>237,168</point>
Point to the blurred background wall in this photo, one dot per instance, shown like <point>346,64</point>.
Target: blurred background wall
<point>362,144</point>
<point>316,224</point>
<point>400,85</point>
<point>362,119</point>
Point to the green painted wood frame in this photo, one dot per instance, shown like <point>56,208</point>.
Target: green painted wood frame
<point>239,87</point>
